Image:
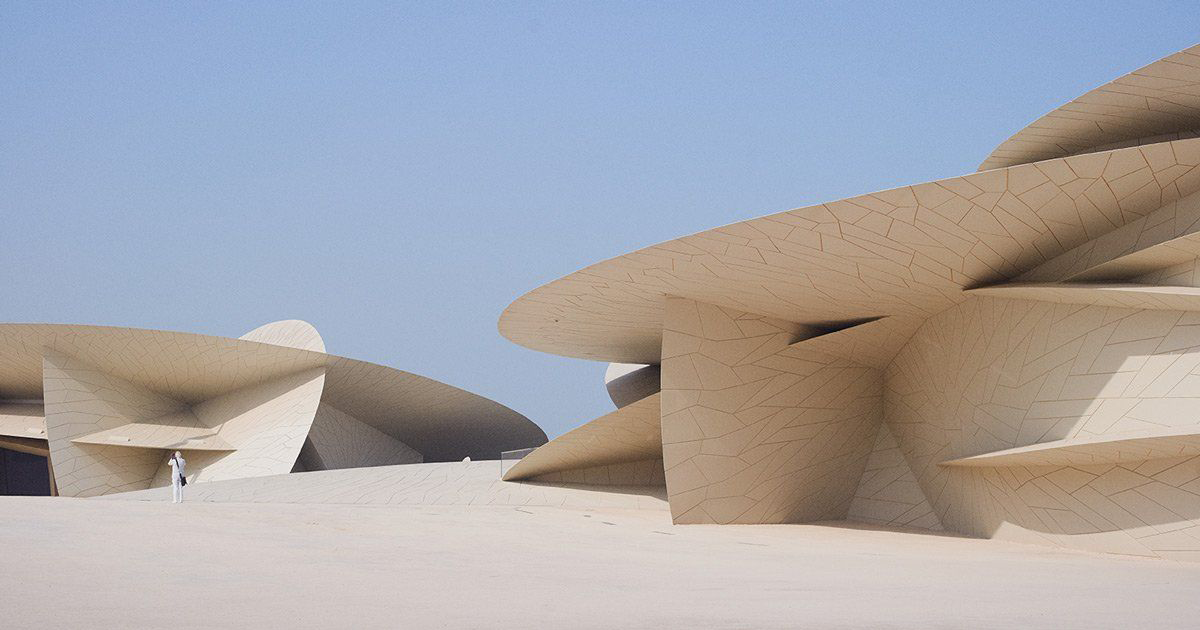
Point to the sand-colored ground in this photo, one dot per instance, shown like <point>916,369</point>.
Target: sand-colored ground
<point>447,483</point>
<point>90,563</point>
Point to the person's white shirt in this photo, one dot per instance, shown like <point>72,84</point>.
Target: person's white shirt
<point>178,464</point>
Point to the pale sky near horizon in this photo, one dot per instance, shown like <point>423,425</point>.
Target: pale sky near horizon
<point>397,174</point>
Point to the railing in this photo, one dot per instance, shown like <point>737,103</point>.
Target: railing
<point>509,458</point>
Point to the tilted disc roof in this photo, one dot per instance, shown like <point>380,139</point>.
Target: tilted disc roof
<point>1158,102</point>
<point>432,417</point>
<point>901,255</point>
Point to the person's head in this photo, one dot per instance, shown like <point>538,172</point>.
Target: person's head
<point>177,455</point>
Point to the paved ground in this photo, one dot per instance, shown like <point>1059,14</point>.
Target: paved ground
<point>104,564</point>
<point>450,483</point>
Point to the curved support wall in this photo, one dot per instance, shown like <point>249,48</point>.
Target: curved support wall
<point>757,429</point>
<point>994,374</point>
<point>265,424</point>
<point>889,493</point>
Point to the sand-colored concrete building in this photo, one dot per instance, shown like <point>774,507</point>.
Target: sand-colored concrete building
<point>91,410</point>
<point>1013,353</point>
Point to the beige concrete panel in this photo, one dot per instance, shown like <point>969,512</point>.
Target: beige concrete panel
<point>1174,298</point>
<point>81,399</point>
<point>756,428</point>
<point>120,433</point>
<point>903,254</point>
<point>647,472</point>
<point>338,440</point>
<point>293,333</point>
<point>183,366</point>
<point>159,434</point>
<point>889,493</point>
<point>630,434</point>
<point>1105,449</point>
<point>992,374</point>
<point>1158,102</point>
<point>24,420</point>
<point>266,425</point>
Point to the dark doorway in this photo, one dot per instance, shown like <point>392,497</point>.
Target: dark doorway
<point>23,474</point>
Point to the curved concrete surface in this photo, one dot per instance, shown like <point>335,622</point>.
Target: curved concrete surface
<point>1123,295</point>
<point>766,419</point>
<point>904,254</point>
<point>1103,449</point>
<point>630,434</point>
<point>293,333</point>
<point>630,382</point>
<point>1166,237</point>
<point>441,420</point>
<point>1155,103</point>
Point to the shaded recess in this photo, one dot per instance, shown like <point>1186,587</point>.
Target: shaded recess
<point>23,472</point>
<point>628,383</point>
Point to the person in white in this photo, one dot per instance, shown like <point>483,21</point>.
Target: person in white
<point>177,463</point>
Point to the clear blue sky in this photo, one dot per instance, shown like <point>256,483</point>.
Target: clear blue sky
<point>397,174</point>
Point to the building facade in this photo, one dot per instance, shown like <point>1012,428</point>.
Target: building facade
<point>90,410</point>
<point>1012,353</point>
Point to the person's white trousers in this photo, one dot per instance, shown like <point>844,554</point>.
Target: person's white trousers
<point>176,490</point>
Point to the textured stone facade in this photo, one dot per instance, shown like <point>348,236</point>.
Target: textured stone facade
<point>1013,353</point>
<point>109,405</point>
<point>757,429</point>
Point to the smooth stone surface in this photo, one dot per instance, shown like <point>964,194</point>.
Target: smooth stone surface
<point>120,564</point>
